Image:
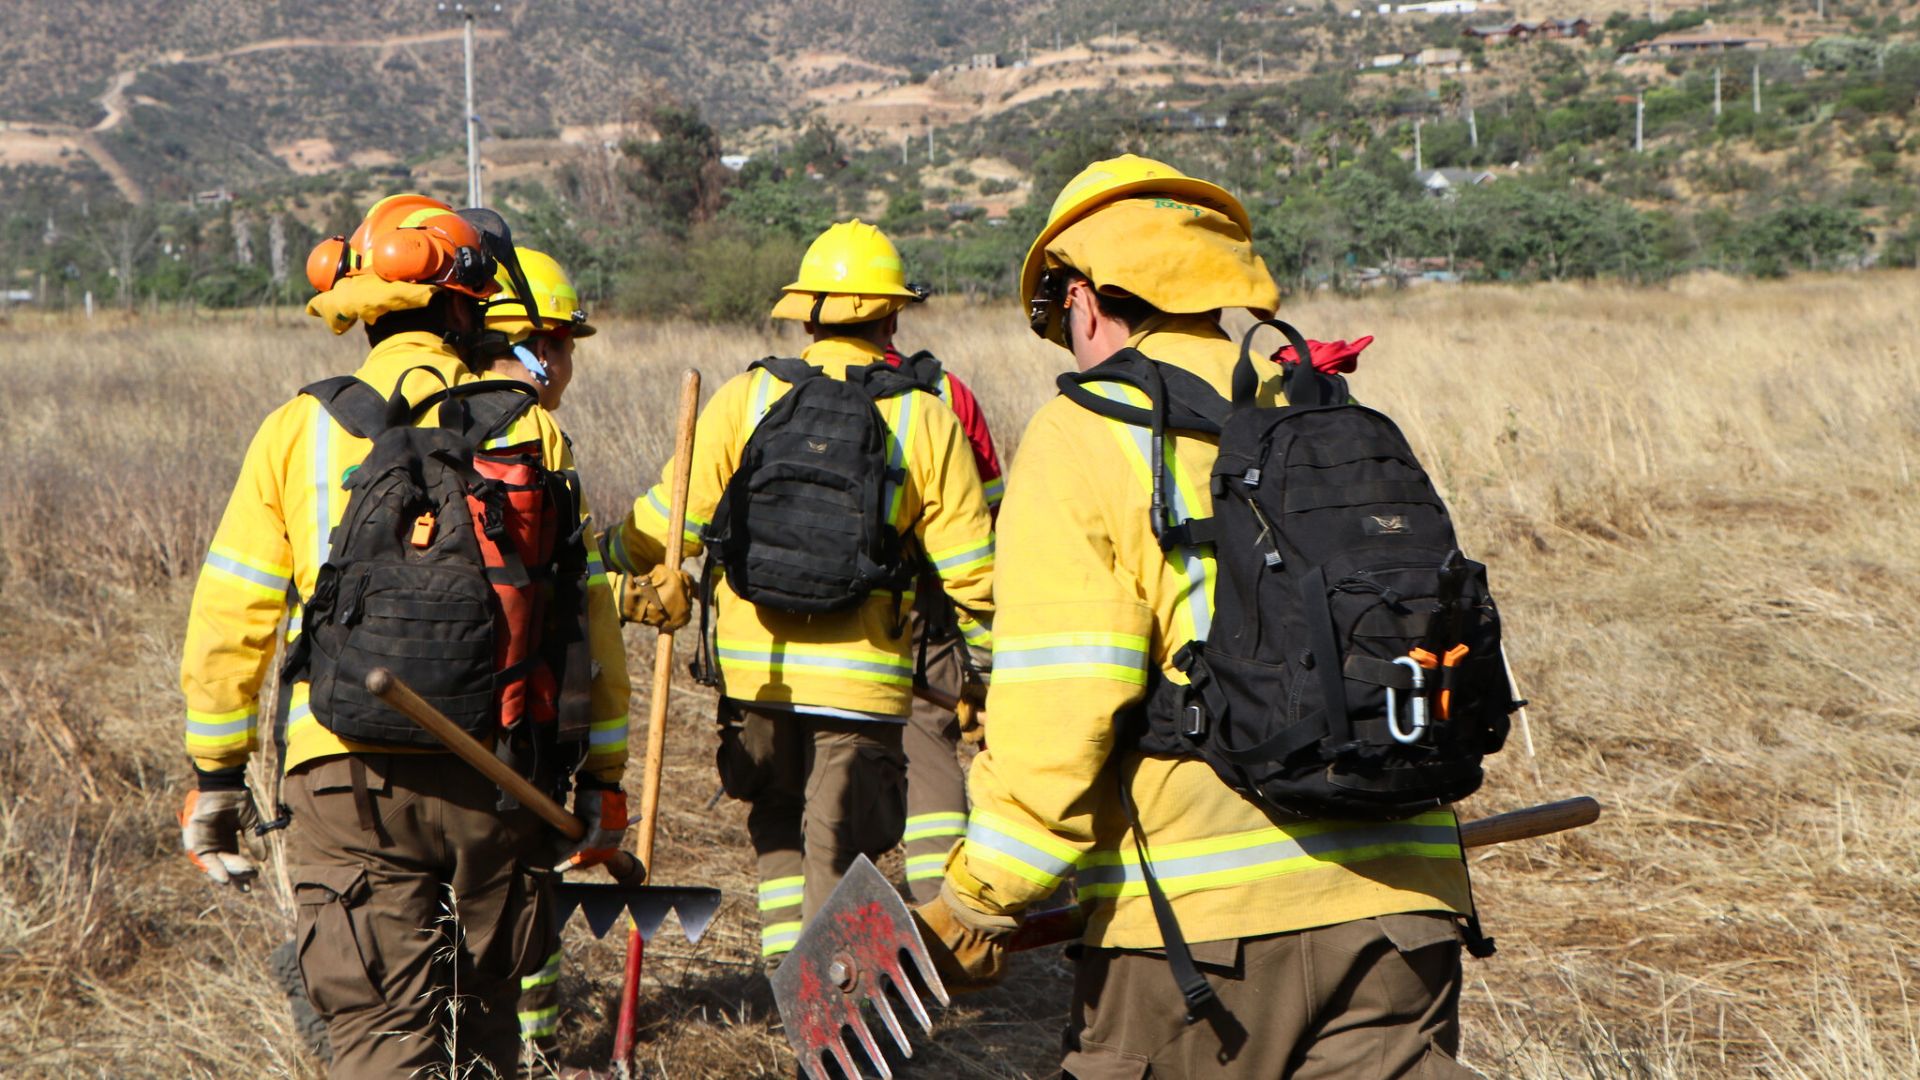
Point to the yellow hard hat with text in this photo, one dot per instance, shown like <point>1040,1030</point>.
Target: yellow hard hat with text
<point>1123,177</point>
<point>850,273</point>
<point>554,298</point>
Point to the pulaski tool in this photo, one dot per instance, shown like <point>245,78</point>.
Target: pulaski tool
<point>602,904</point>
<point>857,945</point>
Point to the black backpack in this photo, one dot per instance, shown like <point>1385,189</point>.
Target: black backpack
<point>1353,668</point>
<point>460,569</point>
<point>803,525</point>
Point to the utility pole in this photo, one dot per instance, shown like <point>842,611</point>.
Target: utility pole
<point>1261,61</point>
<point>929,146</point>
<point>1473,129</point>
<point>1639,123</point>
<point>468,12</point>
<point>1716,93</point>
<point>1756,88</point>
<point>1418,164</point>
<point>904,141</point>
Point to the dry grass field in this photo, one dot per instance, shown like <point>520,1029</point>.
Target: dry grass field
<point>1699,511</point>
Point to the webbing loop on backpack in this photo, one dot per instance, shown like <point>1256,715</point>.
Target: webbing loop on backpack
<point>1195,990</point>
<point>1307,387</point>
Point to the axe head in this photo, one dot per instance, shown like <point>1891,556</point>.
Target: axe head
<point>849,953</point>
<point>647,905</point>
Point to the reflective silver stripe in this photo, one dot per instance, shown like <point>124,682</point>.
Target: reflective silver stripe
<point>762,391</point>
<point>302,711</point>
<point>926,867</point>
<point>322,482</point>
<point>982,550</point>
<point>930,826</point>
<point>785,896</point>
<point>607,733</point>
<point>832,663</point>
<point>617,551</point>
<point>1316,846</point>
<point>540,1023</point>
<point>1052,655</point>
<point>546,976</point>
<point>1042,864</point>
<point>779,937</point>
<point>898,430</point>
<point>275,582</point>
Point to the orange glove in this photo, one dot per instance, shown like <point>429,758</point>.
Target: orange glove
<point>604,811</point>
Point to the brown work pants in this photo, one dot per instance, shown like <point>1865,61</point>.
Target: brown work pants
<point>1375,998</point>
<point>440,893</point>
<point>821,792</point>
<point>936,788</point>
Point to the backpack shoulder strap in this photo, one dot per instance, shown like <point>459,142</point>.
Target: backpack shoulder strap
<point>483,409</point>
<point>788,369</point>
<point>1183,400</point>
<point>882,380</point>
<point>355,406</point>
<point>925,368</point>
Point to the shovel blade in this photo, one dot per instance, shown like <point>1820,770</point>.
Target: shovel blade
<point>849,952</point>
<point>646,905</point>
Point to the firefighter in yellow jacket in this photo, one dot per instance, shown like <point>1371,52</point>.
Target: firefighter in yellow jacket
<point>813,705</point>
<point>383,838</point>
<point>1333,946</point>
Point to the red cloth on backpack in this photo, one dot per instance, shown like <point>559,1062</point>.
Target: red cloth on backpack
<point>1329,356</point>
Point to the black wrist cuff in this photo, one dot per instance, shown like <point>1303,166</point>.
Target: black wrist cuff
<point>586,781</point>
<point>234,779</point>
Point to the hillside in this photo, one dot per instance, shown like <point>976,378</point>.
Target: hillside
<point>652,144</point>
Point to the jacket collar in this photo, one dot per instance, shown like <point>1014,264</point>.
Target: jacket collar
<point>837,355</point>
<point>393,358</point>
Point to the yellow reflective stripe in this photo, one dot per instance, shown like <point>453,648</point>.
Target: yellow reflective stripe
<point>899,433</point>
<point>925,826</point>
<point>1077,655</point>
<point>546,976</point>
<point>996,489</point>
<point>781,892</point>
<point>926,867</point>
<point>220,731</point>
<point>1034,855</point>
<point>974,632</point>
<point>963,557</point>
<point>658,510</point>
<point>780,937</point>
<point>540,1023</point>
<point>771,658</point>
<point>762,399</point>
<point>266,579</point>
<point>1216,862</point>
<point>606,736</point>
<point>322,481</point>
<point>1193,609</point>
<point>596,568</point>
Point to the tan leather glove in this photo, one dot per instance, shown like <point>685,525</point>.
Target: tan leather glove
<point>973,721</point>
<point>969,947</point>
<point>660,598</point>
<point>213,827</point>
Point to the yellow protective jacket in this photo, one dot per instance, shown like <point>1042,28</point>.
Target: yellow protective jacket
<point>267,552</point>
<point>1086,605</point>
<point>856,660</point>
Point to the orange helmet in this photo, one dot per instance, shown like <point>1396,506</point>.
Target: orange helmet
<point>408,238</point>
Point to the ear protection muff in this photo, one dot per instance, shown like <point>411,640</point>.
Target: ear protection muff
<point>441,250</point>
<point>328,262</point>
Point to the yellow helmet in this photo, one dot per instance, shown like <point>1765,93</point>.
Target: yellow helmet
<point>850,273</point>
<point>554,297</point>
<point>1118,178</point>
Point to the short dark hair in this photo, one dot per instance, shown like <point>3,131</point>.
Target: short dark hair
<point>1125,307</point>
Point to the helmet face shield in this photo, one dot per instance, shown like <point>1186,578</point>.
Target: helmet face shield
<point>496,240</point>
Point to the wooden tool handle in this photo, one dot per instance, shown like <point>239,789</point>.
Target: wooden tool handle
<point>1530,822</point>
<point>663,645</point>
<point>387,686</point>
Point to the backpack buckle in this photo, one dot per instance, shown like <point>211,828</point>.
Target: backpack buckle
<point>1196,721</point>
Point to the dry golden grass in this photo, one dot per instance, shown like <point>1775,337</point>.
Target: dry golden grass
<point>1698,509</point>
